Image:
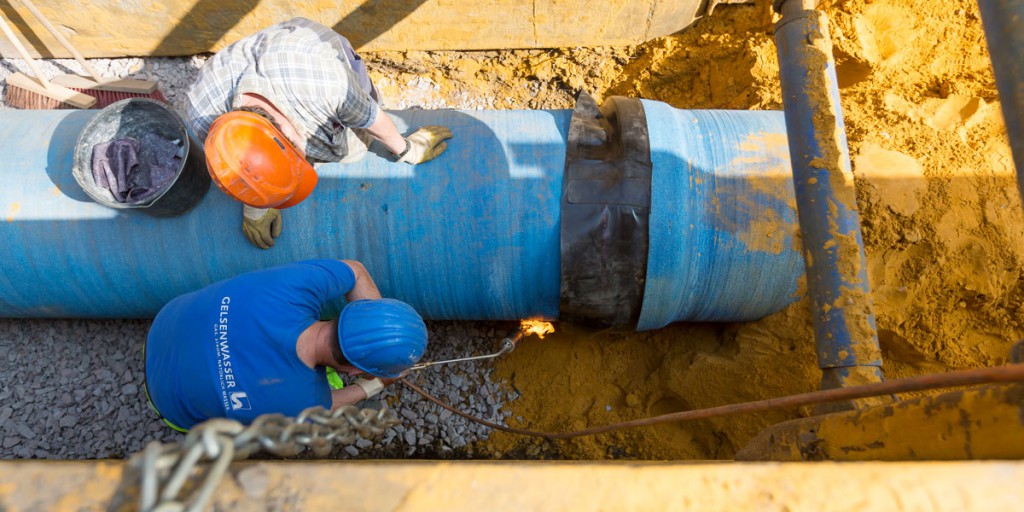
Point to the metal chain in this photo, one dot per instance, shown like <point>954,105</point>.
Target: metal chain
<point>165,469</point>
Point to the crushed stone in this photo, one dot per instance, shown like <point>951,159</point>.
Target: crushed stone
<point>99,410</point>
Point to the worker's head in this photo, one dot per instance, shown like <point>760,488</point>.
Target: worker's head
<point>251,160</point>
<point>382,337</point>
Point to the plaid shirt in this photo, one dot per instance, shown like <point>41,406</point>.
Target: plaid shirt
<point>305,70</point>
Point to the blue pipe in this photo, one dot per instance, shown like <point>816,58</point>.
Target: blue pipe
<point>471,235</point>
<point>1004,31</point>
<point>721,200</point>
<point>840,297</point>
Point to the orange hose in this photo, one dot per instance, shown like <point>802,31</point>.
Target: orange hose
<point>973,377</point>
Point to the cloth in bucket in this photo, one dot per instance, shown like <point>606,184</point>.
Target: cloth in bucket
<point>134,170</point>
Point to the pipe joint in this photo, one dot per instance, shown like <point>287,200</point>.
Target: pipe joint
<point>606,203</point>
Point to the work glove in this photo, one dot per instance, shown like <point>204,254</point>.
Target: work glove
<point>425,144</point>
<point>370,386</point>
<point>261,226</point>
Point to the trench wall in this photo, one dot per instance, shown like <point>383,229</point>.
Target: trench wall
<point>114,28</point>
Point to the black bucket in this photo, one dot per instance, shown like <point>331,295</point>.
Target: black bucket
<point>133,118</point>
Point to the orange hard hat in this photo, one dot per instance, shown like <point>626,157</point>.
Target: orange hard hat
<point>253,162</point>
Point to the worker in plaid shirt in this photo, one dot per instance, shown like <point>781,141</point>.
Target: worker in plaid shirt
<point>292,94</point>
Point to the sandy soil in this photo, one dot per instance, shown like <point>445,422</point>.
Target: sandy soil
<point>942,220</point>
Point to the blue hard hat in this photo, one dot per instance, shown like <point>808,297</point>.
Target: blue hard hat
<point>382,337</point>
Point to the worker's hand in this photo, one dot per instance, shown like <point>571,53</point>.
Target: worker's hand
<point>372,387</point>
<point>261,226</point>
<point>426,144</point>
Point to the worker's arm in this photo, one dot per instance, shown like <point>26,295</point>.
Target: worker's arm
<point>364,288</point>
<point>348,395</point>
<point>423,145</point>
<point>384,130</point>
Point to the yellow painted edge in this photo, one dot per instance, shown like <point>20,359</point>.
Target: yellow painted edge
<point>537,486</point>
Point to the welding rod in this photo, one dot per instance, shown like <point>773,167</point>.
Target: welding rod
<point>508,344</point>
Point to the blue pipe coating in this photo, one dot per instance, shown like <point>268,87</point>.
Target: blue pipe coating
<point>840,301</point>
<point>721,200</point>
<point>473,234</point>
<point>1004,31</point>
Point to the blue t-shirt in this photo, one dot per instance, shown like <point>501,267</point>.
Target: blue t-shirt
<point>228,350</point>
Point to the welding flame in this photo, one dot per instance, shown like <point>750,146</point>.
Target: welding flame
<point>538,327</point>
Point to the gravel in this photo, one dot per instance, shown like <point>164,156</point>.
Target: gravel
<point>72,389</point>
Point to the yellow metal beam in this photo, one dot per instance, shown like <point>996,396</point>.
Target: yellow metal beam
<point>984,423</point>
<point>526,486</point>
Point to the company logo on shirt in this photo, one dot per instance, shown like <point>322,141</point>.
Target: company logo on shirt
<point>226,371</point>
<point>240,401</point>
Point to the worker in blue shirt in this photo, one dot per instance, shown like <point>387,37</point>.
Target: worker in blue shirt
<point>254,344</point>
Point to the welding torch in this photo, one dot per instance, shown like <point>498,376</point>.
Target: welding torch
<point>508,344</point>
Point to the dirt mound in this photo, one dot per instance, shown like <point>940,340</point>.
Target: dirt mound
<point>942,220</point>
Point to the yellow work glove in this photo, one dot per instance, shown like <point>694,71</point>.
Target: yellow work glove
<point>425,144</point>
<point>261,226</point>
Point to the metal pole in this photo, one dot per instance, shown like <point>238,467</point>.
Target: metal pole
<point>1004,31</point>
<point>837,281</point>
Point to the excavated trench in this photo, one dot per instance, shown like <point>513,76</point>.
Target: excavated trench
<point>942,223</point>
